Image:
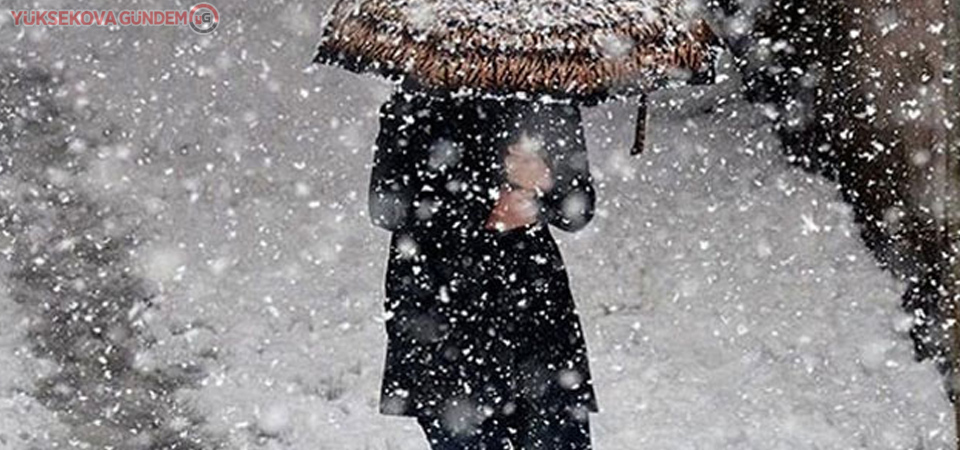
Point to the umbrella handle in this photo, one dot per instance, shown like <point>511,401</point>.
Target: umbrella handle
<point>640,132</point>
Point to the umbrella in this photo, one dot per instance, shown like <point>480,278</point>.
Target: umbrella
<point>581,50</point>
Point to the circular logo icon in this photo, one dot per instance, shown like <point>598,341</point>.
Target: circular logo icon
<point>203,18</point>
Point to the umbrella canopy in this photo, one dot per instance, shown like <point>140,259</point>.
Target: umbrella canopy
<point>566,48</point>
<point>572,49</point>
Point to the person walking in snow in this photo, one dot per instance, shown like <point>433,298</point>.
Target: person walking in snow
<point>484,347</point>
<point>480,151</point>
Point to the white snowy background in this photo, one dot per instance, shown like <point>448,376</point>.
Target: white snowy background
<point>727,299</point>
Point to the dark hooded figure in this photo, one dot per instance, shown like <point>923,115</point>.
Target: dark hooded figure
<point>485,346</point>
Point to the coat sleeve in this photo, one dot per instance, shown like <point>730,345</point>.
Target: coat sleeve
<point>569,204</point>
<point>394,180</point>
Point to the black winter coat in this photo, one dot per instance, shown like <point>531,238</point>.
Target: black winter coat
<point>477,318</point>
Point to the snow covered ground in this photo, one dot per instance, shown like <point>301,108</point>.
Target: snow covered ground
<point>24,422</point>
<point>727,299</point>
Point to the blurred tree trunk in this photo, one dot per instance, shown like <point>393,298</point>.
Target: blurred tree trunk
<point>952,177</point>
<point>861,92</point>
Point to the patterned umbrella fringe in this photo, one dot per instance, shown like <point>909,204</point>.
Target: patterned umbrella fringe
<point>360,43</point>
